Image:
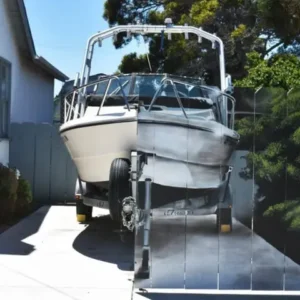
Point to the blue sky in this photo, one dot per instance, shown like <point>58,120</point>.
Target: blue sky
<point>61,29</point>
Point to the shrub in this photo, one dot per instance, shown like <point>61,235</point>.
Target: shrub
<point>15,194</point>
<point>8,193</point>
<point>286,214</point>
<point>24,198</point>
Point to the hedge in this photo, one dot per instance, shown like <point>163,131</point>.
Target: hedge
<point>15,195</point>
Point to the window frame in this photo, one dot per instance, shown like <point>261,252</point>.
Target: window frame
<point>4,132</point>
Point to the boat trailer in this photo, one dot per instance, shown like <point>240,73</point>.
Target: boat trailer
<point>137,214</point>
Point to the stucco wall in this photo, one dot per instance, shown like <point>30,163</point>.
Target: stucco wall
<point>31,88</point>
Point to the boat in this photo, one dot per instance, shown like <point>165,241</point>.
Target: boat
<point>187,143</point>
<point>108,128</point>
<point>110,119</point>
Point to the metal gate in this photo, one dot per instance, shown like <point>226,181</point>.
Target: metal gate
<point>181,243</point>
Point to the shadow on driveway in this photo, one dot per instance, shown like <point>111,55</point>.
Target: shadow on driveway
<point>101,240</point>
<point>11,240</point>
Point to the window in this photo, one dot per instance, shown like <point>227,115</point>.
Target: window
<point>5,80</point>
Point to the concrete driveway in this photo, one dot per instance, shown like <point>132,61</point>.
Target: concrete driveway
<point>49,255</point>
<point>188,253</point>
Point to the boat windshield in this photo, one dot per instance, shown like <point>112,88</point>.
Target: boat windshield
<point>150,91</point>
<point>114,88</point>
<point>132,86</point>
<point>142,88</point>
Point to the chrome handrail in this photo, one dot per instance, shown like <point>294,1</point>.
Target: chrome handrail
<point>118,88</point>
<point>220,94</point>
<point>162,84</point>
<point>69,107</point>
<point>233,101</point>
<point>172,81</point>
<point>77,90</point>
<point>105,95</point>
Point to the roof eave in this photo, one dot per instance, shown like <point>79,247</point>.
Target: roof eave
<point>38,60</point>
<point>49,68</point>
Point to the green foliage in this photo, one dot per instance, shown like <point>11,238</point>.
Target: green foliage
<point>239,31</point>
<point>296,137</point>
<point>253,60</point>
<point>276,137</point>
<point>15,195</point>
<point>202,11</point>
<point>24,197</point>
<point>282,70</point>
<point>8,193</point>
<point>129,11</point>
<point>246,27</point>
<point>281,17</point>
<point>287,214</point>
<point>179,53</point>
<point>133,63</point>
<point>220,17</point>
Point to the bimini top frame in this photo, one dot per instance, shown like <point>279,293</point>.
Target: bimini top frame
<point>169,28</point>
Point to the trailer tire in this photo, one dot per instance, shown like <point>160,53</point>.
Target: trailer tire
<point>119,187</point>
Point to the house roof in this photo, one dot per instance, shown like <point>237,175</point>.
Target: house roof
<point>18,16</point>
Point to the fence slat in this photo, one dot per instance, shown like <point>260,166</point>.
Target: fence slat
<point>22,150</point>
<point>40,154</point>
<point>42,163</point>
<point>59,157</point>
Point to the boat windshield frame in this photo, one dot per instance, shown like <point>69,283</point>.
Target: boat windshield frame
<point>221,97</point>
<point>166,79</point>
<point>82,90</point>
<point>70,108</point>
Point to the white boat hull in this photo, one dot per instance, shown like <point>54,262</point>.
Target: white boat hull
<point>94,143</point>
<point>188,152</point>
<point>178,174</point>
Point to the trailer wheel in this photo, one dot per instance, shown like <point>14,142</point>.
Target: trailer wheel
<point>119,187</point>
<point>224,220</point>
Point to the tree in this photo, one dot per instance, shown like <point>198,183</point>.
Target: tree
<point>281,18</point>
<point>282,71</point>
<point>133,63</point>
<point>205,13</point>
<point>122,12</point>
<point>276,134</point>
<point>244,25</point>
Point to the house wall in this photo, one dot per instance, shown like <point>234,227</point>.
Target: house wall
<point>31,88</point>
<point>33,101</point>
